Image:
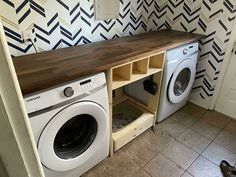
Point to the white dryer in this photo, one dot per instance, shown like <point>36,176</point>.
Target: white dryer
<point>71,126</point>
<point>178,78</point>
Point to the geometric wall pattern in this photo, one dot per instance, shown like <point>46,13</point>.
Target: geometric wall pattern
<point>60,23</point>
<point>215,19</point>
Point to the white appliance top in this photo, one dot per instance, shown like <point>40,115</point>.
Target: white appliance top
<point>182,52</point>
<point>63,93</point>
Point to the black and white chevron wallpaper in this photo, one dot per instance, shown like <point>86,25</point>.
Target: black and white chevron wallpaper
<point>60,23</point>
<point>215,19</point>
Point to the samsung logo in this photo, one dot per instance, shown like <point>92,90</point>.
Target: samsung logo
<point>33,99</point>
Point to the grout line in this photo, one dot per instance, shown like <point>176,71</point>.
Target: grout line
<point>187,173</point>
<point>204,148</point>
<point>172,161</point>
<point>227,123</point>
<point>218,145</point>
<point>159,150</point>
<point>189,164</point>
<point>208,146</point>
<point>147,172</point>
<point>192,164</point>
<point>175,138</point>
<point>151,159</point>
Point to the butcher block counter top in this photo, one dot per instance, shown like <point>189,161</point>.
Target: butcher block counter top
<point>40,71</point>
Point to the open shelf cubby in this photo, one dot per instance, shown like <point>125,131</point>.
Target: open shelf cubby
<point>136,70</point>
<point>156,61</point>
<point>140,66</point>
<point>121,75</point>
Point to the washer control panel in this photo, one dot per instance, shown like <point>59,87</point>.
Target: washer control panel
<point>63,93</point>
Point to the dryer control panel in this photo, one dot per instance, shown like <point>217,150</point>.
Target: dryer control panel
<point>63,93</point>
<point>182,52</point>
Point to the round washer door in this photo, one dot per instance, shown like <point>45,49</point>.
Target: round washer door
<point>73,136</point>
<point>181,81</point>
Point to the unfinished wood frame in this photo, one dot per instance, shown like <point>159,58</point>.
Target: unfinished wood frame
<point>122,75</point>
<point>136,70</point>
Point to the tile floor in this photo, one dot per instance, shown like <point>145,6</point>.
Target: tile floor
<point>192,142</point>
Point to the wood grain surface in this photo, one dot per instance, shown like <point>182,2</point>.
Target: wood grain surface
<point>40,71</point>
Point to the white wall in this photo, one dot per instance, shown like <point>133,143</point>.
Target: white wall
<point>3,172</point>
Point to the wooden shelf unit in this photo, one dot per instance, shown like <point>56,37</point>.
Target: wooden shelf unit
<point>122,75</point>
<point>136,70</point>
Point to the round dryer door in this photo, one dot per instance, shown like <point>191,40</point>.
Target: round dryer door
<point>73,136</point>
<point>181,81</point>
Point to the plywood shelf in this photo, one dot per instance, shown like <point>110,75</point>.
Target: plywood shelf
<point>120,82</point>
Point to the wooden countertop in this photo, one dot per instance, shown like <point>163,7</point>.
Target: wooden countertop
<point>40,71</point>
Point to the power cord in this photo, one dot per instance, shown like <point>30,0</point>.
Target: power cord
<point>30,40</point>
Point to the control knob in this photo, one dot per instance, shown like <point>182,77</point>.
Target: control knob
<point>69,92</point>
<point>185,51</point>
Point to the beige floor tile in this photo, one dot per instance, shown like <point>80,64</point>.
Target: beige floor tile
<point>186,174</point>
<point>176,155</point>
<point>180,154</point>
<point>206,129</point>
<point>217,153</point>
<point>194,110</point>
<point>216,119</point>
<point>204,168</point>
<point>194,140</point>
<point>173,129</point>
<point>161,166</point>
<point>231,127</point>
<point>119,165</point>
<point>142,149</point>
<point>227,140</point>
<point>141,173</point>
<point>91,173</point>
<point>158,139</point>
<point>165,123</point>
<point>184,119</point>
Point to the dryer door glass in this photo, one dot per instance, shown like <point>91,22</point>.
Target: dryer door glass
<point>75,136</point>
<point>182,81</point>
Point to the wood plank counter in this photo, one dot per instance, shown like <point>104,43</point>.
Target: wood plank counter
<point>40,71</point>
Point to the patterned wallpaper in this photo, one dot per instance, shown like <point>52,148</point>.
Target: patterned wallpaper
<point>61,23</point>
<point>215,19</point>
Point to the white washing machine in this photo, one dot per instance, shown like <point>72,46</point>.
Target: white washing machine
<point>71,126</point>
<point>178,78</point>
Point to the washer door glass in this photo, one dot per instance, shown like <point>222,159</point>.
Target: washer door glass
<point>181,81</point>
<point>73,136</point>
